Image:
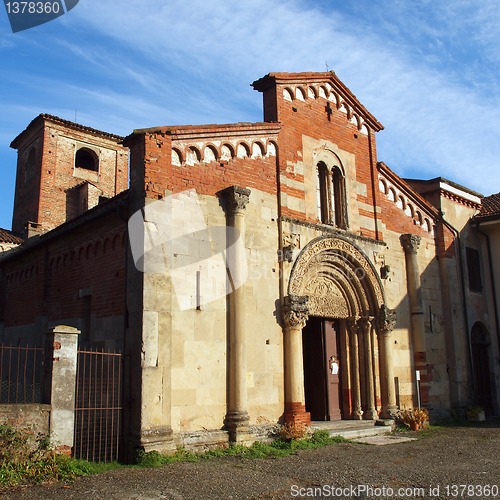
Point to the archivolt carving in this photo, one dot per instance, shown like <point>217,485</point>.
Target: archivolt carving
<point>338,278</point>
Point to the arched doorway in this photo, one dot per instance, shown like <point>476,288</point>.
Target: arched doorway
<point>322,368</point>
<point>348,332</point>
<point>482,385</point>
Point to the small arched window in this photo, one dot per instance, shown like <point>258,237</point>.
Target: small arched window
<point>338,199</point>
<point>31,157</point>
<point>86,158</point>
<point>331,200</point>
<point>322,190</point>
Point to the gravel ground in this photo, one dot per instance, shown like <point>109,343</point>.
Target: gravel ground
<point>444,457</point>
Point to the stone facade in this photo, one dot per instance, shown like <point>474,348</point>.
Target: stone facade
<point>340,280</point>
<point>485,326</point>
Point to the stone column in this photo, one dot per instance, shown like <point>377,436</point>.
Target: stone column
<point>295,313</point>
<point>386,324</point>
<point>364,328</point>
<point>237,417</point>
<point>356,413</point>
<point>61,348</point>
<point>330,196</point>
<point>410,243</point>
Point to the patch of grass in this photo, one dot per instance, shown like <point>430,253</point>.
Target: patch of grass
<point>279,448</point>
<point>155,459</point>
<point>27,461</point>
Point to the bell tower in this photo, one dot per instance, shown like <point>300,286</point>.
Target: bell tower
<point>64,169</point>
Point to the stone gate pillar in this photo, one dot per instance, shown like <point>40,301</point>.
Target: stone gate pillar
<point>386,324</point>
<point>237,417</point>
<point>61,353</point>
<point>295,313</point>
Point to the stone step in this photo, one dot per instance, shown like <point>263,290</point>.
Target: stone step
<point>352,429</point>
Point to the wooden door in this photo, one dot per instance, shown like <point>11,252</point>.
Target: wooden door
<point>322,369</point>
<point>332,355</point>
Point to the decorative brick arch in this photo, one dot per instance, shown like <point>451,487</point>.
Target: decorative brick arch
<point>338,278</point>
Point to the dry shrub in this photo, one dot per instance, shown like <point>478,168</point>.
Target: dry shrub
<point>414,416</point>
<point>293,431</point>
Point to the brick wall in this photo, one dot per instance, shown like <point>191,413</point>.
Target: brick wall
<point>308,106</point>
<point>45,280</point>
<point>47,192</point>
<point>153,170</point>
<point>32,419</point>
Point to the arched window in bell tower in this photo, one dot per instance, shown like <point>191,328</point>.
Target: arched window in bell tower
<point>87,159</point>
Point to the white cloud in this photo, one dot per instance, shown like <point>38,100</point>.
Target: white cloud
<point>403,68</point>
<point>428,70</point>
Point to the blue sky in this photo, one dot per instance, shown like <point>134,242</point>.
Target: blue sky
<point>428,70</point>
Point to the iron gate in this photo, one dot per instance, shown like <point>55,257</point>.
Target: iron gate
<point>98,407</point>
<point>21,371</point>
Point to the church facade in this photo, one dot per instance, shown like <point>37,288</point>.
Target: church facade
<point>334,290</point>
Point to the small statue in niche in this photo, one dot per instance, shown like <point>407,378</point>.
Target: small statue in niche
<point>334,365</point>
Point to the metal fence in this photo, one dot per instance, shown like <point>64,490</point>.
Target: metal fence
<point>21,371</point>
<point>98,408</point>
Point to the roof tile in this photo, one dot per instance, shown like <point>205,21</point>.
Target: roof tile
<point>490,205</point>
<point>9,237</point>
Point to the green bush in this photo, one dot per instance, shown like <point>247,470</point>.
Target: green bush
<point>28,460</point>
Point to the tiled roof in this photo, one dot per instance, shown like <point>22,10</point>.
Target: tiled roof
<point>8,237</point>
<point>490,206</point>
<point>66,123</point>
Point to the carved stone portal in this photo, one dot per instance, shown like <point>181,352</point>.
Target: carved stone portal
<point>338,278</point>
<point>340,282</point>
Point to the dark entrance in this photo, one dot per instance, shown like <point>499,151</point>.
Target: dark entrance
<point>320,342</point>
<point>480,344</point>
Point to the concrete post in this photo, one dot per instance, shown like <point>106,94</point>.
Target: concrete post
<point>60,389</point>
<point>237,417</point>
<point>386,324</point>
<point>295,313</point>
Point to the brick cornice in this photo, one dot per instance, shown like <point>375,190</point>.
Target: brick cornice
<point>44,117</point>
<point>211,132</point>
<point>273,79</point>
<point>405,188</point>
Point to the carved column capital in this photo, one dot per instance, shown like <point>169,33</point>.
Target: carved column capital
<point>410,242</point>
<point>237,198</point>
<point>364,325</point>
<point>353,324</point>
<point>295,311</point>
<point>386,319</point>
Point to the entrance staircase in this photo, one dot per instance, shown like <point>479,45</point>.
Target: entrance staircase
<point>352,429</point>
